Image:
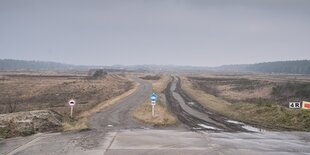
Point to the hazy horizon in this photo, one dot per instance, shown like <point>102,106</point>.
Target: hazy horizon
<point>164,32</point>
<point>173,65</point>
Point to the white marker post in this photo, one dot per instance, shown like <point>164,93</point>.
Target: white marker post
<point>153,98</point>
<point>153,110</point>
<point>71,103</point>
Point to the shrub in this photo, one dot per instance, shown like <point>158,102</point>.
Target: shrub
<point>299,90</point>
<point>264,102</point>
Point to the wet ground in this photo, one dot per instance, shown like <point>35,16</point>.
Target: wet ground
<point>200,132</point>
<point>173,142</point>
<point>196,117</point>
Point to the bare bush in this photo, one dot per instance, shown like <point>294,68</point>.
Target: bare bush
<point>10,104</point>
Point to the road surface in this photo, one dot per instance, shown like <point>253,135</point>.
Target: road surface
<point>172,142</point>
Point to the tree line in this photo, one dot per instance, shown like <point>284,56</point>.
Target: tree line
<point>286,67</point>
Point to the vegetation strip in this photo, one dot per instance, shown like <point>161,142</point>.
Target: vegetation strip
<point>264,113</point>
<point>143,112</point>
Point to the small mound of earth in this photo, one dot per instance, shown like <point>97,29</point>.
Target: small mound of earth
<point>29,122</point>
<point>150,77</point>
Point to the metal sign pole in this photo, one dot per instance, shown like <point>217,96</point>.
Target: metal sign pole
<point>153,99</point>
<point>153,111</point>
<point>71,111</point>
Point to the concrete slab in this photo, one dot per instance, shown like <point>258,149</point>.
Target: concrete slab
<point>171,142</point>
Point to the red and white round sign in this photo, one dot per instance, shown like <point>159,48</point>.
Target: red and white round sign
<point>71,102</point>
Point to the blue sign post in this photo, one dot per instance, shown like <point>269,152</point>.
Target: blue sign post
<point>153,99</point>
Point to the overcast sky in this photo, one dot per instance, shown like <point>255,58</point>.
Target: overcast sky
<point>178,32</point>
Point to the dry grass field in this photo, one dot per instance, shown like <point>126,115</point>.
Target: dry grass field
<point>160,85</point>
<point>37,91</point>
<point>162,116</point>
<point>33,92</point>
<point>234,89</point>
<point>252,98</point>
<point>248,88</point>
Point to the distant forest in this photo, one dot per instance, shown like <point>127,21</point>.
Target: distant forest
<point>288,67</point>
<point>16,65</point>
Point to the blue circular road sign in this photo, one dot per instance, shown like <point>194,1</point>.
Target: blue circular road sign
<point>153,97</point>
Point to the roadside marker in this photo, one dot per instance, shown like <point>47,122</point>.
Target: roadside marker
<point>305,105</point>
<point>153,99</point>
<point>294,105</point>
<point>71,103</point>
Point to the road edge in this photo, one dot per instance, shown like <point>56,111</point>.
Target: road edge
<point>83,118</point>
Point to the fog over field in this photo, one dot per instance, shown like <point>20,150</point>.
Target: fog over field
<point>177,32</point>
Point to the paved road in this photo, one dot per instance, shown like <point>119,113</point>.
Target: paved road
<point>172,142</point>
<point>114,118</point>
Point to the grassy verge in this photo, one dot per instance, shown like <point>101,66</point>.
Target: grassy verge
<point>160,85</point>
<point>162,117</point>
<point>11,131</point>
<point>263,113</point>
<point>81,121</point>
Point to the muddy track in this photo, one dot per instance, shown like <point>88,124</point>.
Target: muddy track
<point>193,114</point>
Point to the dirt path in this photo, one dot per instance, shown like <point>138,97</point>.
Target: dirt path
<point>118,116</point>
<point>194,115</point>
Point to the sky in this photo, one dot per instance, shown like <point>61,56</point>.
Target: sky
<point>164,32</point>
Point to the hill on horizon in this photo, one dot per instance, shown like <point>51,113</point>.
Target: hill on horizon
<point>18,65</point>
<point>286,67</point>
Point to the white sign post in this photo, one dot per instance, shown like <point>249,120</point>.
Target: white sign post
<point>153,98</point>
<point>153,110</point>
<point>71,103</point>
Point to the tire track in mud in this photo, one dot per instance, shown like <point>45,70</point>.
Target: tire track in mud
<point>193,114</point>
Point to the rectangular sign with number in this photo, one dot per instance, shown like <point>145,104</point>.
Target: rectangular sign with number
<point>294,105</point>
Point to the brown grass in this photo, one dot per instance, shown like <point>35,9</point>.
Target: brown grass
<point>34,92</point>
<point>255,76</point>
<point>162,116</point>
<point>160,85</point>
<point>265,114</point>
<point>273,116</point>
<point>79,124</point>
<point>82,122</point>
<point>235,89</point>
<point>51,92</point>
<point>209,101</point>
<point>227,92</point>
